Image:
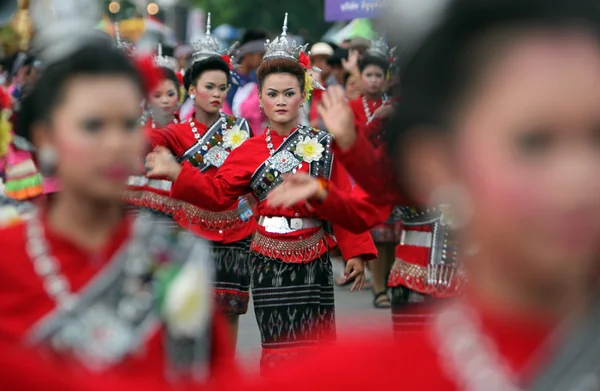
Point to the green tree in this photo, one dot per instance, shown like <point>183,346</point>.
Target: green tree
<point>306,17</point>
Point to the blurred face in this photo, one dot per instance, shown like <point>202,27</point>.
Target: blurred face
<point>95,132</point>
<point>165,97</point>
<point>352,88</point>
<point>528,152</point>
<point>320,62</point>
<point>372,79</point>
<point>210,90</point>
<point>281,98</point>
<point>253,60</point>
<point>338,73</point>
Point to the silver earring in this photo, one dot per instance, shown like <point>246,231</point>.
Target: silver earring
<point>193,97</point>
<point>260,108</point>
<point>301,104</point>
<point>47,159</point>
<point>454,203</point>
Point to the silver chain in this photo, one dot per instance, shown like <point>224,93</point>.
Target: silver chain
<point>145,120</point>
<point>197,135</point>
<point>269,141</point>
<point>366,108</point>
<point>58,288</point>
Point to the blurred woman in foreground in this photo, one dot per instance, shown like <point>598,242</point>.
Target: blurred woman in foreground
<point>500,121</point>
<point>80,281</point>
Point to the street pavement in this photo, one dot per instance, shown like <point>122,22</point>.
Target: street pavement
<point>354,314</point>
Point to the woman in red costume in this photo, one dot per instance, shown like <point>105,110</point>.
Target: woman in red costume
<point>373,70</point>
<point>520,175</point>
<point>425,255</point>
<point>205,140</point>
<point>292,283</point>
<point>80,281</point>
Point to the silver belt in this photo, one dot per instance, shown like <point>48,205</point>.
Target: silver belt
<point>157,184</point>
<point>283,225</point>
<point>416,238</point>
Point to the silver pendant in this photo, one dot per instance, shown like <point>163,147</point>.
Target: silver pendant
<point>99,337</point>
<point>216,156</point>
<point>284,161</point>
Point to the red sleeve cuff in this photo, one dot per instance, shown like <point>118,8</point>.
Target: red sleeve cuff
<point>179,186</point>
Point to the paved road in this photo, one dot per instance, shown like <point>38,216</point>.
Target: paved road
<point>354,312</point>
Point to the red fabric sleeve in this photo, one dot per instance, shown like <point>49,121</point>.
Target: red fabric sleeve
<point>371,169</point>
<point>352,245</point>
<point>217,192</point>
<point>165,137</point>
<point>356,211</point>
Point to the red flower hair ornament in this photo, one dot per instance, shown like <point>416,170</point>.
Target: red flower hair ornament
<point>151,74</point>
<point>227,60</point>
<point>304,60</point>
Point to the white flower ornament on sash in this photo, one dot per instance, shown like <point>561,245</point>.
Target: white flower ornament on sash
<point>187,305</point>
<point>235,137</point>
<point>309,149</point>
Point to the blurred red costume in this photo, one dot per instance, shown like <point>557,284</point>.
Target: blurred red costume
<point>422,361</point>
<point>229,229</point>
<point>26,308</point>
<point>425,254</point>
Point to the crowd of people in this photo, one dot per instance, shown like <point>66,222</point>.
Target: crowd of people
<point>145,199</point>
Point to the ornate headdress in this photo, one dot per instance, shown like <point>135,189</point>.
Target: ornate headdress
<point>165,61</point>
<point>281,47</point>
<point>379,48</point>
<point>63,26</point>
<point>207,46</point>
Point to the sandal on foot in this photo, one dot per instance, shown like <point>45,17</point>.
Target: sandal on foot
<point>381,304</point>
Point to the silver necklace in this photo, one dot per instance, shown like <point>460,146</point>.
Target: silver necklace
<point>197,134</point>
<point>151,117</point>
<point>58,288</point>
<point>366,108</point>
<point>470,357</point>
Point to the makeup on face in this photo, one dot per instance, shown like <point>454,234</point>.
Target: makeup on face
<point>531,162</point>
<point>211,91</point>
<point>99,141</point>
<point>372,79</point>
<point>165,97</point>
<point>281,97</point>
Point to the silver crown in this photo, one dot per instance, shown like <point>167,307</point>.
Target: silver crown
<point>208,46</point>
<point>379,48</point>
<point>62,27</point>
<point>281,47</point>
<point>165,61</point>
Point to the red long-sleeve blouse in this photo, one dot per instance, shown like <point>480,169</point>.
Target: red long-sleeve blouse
<point>24,301</point>
<point>358,108</point>
<point>225,225</point>
<point>233,179</point>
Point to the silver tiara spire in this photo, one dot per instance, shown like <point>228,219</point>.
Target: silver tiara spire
<point>165,61</point>
<point>280,47</point>
<point>119,43</point>
<point>207,46</point>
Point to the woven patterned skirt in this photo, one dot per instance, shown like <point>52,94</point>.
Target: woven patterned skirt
<point>294,307</point>
<point>232,276</point>
<point>407,315</point>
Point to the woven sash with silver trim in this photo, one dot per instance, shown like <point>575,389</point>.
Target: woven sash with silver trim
<point>209,150</point>
<point>114,317</point>
<point>268,175</point>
